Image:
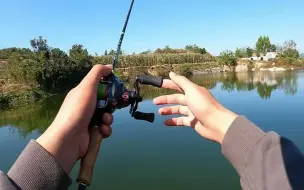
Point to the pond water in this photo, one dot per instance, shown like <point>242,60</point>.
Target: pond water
<point>141,155</point>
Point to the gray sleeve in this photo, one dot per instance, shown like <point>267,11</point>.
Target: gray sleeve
<point>35,169</point>
<point>263,160</point>
<point>6,183</point>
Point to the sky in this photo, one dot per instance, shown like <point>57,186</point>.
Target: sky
<point>216,25</point>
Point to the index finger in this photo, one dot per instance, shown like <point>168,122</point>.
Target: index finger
<point>169,84</point>
<point>96,73</point>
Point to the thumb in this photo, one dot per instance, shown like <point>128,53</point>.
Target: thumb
<point>181,81</point>
<point>95,74</point>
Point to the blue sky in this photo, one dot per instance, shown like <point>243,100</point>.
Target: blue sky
<point>216,25</point>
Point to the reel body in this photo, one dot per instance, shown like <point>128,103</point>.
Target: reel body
<point>112,95</point>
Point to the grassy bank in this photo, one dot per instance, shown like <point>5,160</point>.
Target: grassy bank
<point>22,97</point>
<point>29,75</point>
<point>13,95</point>
<point>185,69</point>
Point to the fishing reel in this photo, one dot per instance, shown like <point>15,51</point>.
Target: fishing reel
<point>112,95</point>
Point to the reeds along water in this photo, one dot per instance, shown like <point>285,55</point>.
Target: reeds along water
<point>155,59</point>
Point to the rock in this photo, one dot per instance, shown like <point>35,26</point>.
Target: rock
<point>216,70</point>
<point>196,72</point>
<point>241,68</point>
<point>273,69</point>
<point>226,69</point>
<point>258,65</point>
<point>273,64</point>
<point>253,69</point>
<point>277,69</point>
<point>292,68</point>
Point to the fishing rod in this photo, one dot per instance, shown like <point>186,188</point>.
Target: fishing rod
<point>112,94</point>
<point>115,60</point>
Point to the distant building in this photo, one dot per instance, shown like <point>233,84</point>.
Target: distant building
<point>268,57</point>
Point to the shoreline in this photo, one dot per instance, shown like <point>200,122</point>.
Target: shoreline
<point>12,99</point>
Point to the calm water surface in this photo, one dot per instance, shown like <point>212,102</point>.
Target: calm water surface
<point>140,155</point>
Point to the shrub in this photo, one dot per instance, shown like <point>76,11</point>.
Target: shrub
<point>227,58</point>
<point>186,70</point>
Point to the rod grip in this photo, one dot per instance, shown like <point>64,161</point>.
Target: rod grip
<point>150,80</point>
<point>88,161</point>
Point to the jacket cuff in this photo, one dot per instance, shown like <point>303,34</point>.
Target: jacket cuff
<point>240,139</point>
<point>37,169</point>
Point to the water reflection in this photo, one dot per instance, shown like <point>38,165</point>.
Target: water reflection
<point>27,119</point>
<point>37,117</point>
<point>265,82</point>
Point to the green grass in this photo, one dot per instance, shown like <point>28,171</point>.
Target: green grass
<point>15,99</point>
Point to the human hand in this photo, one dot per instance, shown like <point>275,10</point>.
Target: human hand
<point>200,109</point>
<point>67,138</point>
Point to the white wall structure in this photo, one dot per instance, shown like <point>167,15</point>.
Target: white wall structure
<point>269,56</point>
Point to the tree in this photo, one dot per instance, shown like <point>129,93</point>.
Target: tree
<point>195,49</point>
<point>263,44</point>
<point>292,53</point>
<point>146,52</point>
<point>289,49</point>
<point>288,52</point>
<point>227,58</point>
<point>80,57</point>
<point>167,47</point>
<point>6,53</point>
<point>290,44</point>
<point>167,50</point>
<point>112,52</point>
<point>39,44</point>
<point>158,50</point>
<point>273,48</point>
<point>240,52</point>
<point>203,51</point>
<point>106,53</point>
<point>249,52</point>
<point>59,57</point>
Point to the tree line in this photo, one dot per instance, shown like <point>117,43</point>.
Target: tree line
<point>191,48</point>
<point>287,52</point>
<point>52,68</point>
<point>48,68</point>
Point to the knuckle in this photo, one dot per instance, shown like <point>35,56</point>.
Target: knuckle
<point>97,66</point>
<point>179,109</point>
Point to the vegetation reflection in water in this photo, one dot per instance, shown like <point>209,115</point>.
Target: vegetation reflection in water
<point>25,120</point>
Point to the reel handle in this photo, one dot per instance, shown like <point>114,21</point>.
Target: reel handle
<point>150,80</point>
<point>144,116</point>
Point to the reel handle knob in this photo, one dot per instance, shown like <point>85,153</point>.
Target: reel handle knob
<point>144,116</point>
<point>150,80</point>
